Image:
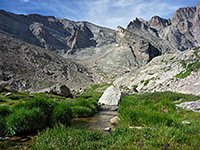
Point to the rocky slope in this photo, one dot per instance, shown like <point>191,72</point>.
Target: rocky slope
<point>55,34</point>
<point>171,72</point>
<point>31,68</point>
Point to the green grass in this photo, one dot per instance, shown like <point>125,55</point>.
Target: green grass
<point>172,58</point>
<point>156,110</point>
<point>146,82</point>
<point>195,66</point>
<point>21,114</point>
<point>196,48</point>
<point>191,67</point>
<point>135,86</point>
<point>25,121</point>
<point>183,63</point>
<point>196,54</point>
<point>95,87</point>
<point>62,114</point>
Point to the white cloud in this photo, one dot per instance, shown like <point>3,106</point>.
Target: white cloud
<point>112,13</point>
<point>25,0</point>
<point>109,13</point>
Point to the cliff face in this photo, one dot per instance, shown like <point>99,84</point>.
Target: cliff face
<point>55,34</point>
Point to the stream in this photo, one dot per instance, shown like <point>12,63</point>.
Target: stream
<point>97,122</point>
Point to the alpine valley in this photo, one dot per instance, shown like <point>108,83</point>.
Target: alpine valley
<point>73,68</point>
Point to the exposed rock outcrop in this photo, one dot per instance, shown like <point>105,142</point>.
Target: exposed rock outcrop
<point>3,84</point>
<point>61,90</point>
<point>193,106</point>
<point>58,89</point>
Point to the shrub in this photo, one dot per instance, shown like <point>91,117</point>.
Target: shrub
<point>45,105</point>
<point>25,120</point>
<point>62,114</point>
<point>3,129</point>
<point>80,111</point>
<point>5,111</point>
<point>146,82</point>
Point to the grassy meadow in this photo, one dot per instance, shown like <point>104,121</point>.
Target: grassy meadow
<point>147,121</point>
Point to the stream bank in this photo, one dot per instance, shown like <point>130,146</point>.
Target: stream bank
<point>97,122</point>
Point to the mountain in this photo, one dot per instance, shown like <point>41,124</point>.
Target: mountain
<point>142,40</point>
<point>106,53</point>
<point>31,68</point>
<point>56,34</point>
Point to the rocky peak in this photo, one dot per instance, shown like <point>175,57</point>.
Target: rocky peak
<point>120,34</point>
<point>28,67</point>
<point>142,20</point>
<point>158,22</point>
<point>120,29</point>
<point>135,23</point>
<point>138,24</point>
<point>183,14</point>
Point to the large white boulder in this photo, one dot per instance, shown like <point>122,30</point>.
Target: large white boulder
<point>112,96</point>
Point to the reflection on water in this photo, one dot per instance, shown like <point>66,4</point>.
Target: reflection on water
<point>99,121</point>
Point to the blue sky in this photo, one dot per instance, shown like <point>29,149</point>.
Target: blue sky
<point>108,13</point>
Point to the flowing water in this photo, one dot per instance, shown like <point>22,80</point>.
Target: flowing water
<point>99,121</point>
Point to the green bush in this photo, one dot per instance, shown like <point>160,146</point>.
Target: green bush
<point>25,120</point>
<point>3,129</point>
<point>46,106</point>
<point>80,111</point>
<point>62,114</point>
<point>5,111</point>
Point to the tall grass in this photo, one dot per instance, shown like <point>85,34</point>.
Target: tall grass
<point>30,115</point>
<point>25,121</point>
<point>155,112</point>
<point>4,112</point>
<point>62,114</point>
